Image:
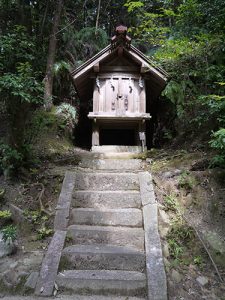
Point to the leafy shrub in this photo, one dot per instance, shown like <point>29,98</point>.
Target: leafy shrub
<point>9,233</point>
<point>10,159</point>
<point>44,232</point>
<point>186,181</point>
<point>4,217</point>
<point>33,215</point>
<point>218,143</point>
<point>171,202</point>
<point>5,214</point>
<point>178,238</point>
<point>61,119</point>
<point>68,114</point>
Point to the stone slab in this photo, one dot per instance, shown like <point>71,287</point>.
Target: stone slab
<point>131,217</point>
<point>102,257</point>
<point>156,276</point>
<point>78,297</point>
<point>17,214</point>
<point>116,149</point>
<point>103,282</point>
<point>120,236</point>
<point>31,281</point>
<point>67,188</point>
<point>111,164</point>
<point>106,199</point>
<point>216,246</point>
<point>146,188</point>
<point>107,181</point>
<point>63,207</point>
<point>49,268</point>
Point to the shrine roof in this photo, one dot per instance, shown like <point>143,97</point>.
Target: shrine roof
<point>147,68</point>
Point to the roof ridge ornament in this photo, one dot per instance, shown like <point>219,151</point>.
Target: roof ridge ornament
<point>121,39</point>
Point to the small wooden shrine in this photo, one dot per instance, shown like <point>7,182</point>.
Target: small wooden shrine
<point>121,82</point>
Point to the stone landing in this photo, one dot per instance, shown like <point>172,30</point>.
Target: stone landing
<point>106,241</point>
<point>116,149</point>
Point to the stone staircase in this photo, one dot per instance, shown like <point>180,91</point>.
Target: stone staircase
<point>99,245</point>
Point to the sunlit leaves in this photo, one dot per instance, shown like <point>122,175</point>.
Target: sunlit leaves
<point>18,79</point>
<point>133,5</point>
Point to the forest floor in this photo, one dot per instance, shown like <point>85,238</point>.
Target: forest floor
<point>191,210</point>
<point>191,222</point>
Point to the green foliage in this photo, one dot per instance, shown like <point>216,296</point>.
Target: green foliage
<point>201,15</point>
<point>190,36</point>
<point>5,214</point>
<point>44,232</point>
<point>35,216</point>
<point>18,78</point>
<point>218,143</point>
<point>9,233</point>
<point>197,67</point>
<point>198,260</point>
<point>171,203</point>
<point>133,5</point>
<point>39,221</point>
<point>186,181</point>
<point>174,91</point>
<point>219,140</point>
<point>22,85</point>
<point>68,114</point>
<point>40,122</point>
<point>16,47</point>
<point>85,42</point>
<point>149,29</point>
<point>10,159</point>
<point>175,248</point>
<point>61,66</point>
<point>178,238</point>
<point>60,120</point>
<point>20,89</point>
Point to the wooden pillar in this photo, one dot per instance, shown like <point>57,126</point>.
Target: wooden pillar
<point>137,132</point>
<point>142,133</point>
<point>95,133</point>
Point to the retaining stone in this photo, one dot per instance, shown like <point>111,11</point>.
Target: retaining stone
<point>49,268</point>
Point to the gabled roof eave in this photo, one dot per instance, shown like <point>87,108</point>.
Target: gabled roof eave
<point>133,51</point>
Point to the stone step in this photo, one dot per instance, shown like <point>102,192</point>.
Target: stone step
<point>103,282</point>
<point>111,164</point>
<point>116,149</point>
<point>120,236</point>
<point>102,257</point>
<point>106,199</point>
<point>131,217</point>
<point>74,297</point>
<point>107,181</point>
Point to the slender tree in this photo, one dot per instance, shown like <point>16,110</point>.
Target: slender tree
<point>97,19</point>
<point>48,81</point>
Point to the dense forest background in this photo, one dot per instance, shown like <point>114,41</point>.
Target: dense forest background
<point>41,41</point>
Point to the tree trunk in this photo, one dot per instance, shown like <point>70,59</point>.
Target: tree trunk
<point>17,120</point>
<point>48,80</point>
<point>97,19</point>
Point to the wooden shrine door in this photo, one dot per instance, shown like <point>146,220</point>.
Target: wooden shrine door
<point>120,95</point>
